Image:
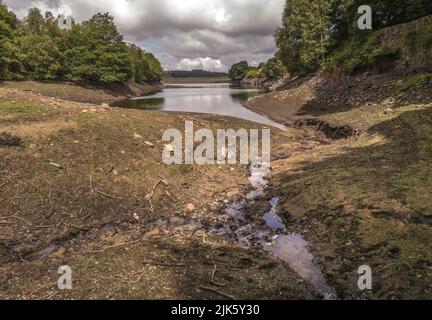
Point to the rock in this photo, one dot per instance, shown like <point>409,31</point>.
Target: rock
<point>105,105</point>
<point>232,194</point>
<point>149,144</point>
<point>388,111</point>
<point>154,232</point>
<point>190,207</point>
<point>137,136</point>
<point>9,140</point>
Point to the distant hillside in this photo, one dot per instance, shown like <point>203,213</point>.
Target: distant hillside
<point>195,74</point>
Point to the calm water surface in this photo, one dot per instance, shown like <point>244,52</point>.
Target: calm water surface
<point>212,98</point>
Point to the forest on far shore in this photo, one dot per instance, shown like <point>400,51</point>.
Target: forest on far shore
<point>93,51</point>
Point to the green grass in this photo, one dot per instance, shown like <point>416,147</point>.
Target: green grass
<point>26,110</point>
<point>417,80</point>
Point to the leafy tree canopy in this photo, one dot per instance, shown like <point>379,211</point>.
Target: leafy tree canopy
<point>93,51</point>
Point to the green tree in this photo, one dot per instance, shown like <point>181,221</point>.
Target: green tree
<point>304,37</point>
<point>97,52</point>
<point>8,24</point>
<point>273,69</point>
<point>386,13</point>
<point>93,51</point>
<point>145,66</point>
<point>37,48</point>
<point>238,71</point>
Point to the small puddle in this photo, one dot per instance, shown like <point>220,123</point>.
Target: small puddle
<point>289,247</point>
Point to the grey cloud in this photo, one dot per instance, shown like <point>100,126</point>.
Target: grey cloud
<point>219,29</point>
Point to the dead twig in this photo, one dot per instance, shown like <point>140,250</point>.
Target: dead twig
<point>84,218</point>
<point>206,174</point>
<point>386,267</point>
<point>213,281</point>
<point>116,246</point>
<point>40,288</point>
<point>91,185</point>
<point>68,166</point>
<point>149,196</point>
<point>78,227</point>
<point>56,165</point>
<point>107,195</point>
<point>223,294</point>
<point>22,219</point>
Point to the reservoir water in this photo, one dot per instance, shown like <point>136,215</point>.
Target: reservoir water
<point>223,99</point>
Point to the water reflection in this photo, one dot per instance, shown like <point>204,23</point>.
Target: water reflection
<point>218,98</point>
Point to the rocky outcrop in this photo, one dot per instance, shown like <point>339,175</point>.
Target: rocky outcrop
<point>404,37</point>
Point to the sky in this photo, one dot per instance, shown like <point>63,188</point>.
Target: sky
<point>183,34</point>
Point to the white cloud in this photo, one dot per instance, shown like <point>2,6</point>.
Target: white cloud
<point>183,29</point>
<point>201,63</point>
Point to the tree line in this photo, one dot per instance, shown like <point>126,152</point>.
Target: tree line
<point>323,34</point>
<point>271,70</point>
<point>92,51</point>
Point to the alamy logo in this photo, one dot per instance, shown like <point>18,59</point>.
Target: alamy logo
<point>202,147</point>
<point>65,281</point>
<point>365,278</point>
<point>65,22</point>
<point>365,20</point>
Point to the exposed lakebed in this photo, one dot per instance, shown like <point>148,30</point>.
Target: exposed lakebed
<point>226,100</point>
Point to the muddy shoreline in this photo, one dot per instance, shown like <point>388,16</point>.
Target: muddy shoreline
<point>171,242</point>
<point>127,225</point>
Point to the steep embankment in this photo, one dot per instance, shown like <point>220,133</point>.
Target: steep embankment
<point>364,199</point>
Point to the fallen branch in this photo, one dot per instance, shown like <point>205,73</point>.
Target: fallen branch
<point>206,174</point>
<point>223,294</point>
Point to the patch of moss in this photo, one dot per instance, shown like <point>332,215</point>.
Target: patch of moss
<point>362,54</point>
<point>419,42</point>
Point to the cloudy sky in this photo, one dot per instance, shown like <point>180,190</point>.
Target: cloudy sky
<point>184,34</point>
